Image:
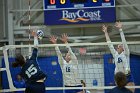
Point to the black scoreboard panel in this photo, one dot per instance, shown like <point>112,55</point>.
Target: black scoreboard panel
<point>61,4</point>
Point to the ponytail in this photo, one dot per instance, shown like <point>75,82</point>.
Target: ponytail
<point>15,64</point>
<point>19,61</point>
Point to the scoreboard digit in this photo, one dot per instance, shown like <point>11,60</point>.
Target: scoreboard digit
<point>51,2</point>
<point>61,12</point>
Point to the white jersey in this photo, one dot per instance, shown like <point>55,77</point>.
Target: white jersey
<point>122,61</point>
<point>70,70</point>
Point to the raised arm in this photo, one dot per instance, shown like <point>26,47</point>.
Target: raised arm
<point>119,26</point>
<point>53,39</point>
<point>111,47</point>
<point>35,50</point>
<point>64,38</point>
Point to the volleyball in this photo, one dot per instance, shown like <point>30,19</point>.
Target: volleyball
<point>40,34</point>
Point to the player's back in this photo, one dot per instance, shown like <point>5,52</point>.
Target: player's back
<point>120,90</point>
<point>31,71</point>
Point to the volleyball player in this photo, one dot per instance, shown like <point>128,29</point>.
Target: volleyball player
<point>120,80</point>
<point>121,55</point>
<point>69,66</point>
<point>30,71</point>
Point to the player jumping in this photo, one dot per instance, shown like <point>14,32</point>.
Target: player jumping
<point>121,55</point>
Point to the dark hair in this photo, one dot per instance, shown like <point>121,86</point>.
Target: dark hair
<point>120,79</point>
<point>83,83</point>
<point>19,60</point>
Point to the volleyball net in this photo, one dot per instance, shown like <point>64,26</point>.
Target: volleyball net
<point>95,65</point>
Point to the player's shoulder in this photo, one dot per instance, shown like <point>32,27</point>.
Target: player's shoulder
<point>123,54</point>
<point>128,91</point>
<point>114,90</point>
<point>116,53</point>
<point>35,48</point>
<point>27,64</point>
<point>118,90</point>
<point>64,62</point>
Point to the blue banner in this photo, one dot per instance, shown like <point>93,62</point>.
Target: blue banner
<point>80,16</point>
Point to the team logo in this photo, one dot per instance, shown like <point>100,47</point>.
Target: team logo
<point>81,15</point>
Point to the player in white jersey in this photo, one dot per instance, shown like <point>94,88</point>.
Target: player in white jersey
<point>121,55</point>
<point>69,66</point>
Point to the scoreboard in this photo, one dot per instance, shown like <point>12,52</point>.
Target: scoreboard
<point>61,12</point>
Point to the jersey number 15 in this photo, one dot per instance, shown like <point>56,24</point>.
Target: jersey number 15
<point>31,71</point>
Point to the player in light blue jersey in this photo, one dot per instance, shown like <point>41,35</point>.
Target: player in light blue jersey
<point>30,71</point>
<point>121,55</point>
<point>69,66</point>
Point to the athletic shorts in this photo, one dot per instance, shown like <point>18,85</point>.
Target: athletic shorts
<point>36,87</point>
<point>73,90</point>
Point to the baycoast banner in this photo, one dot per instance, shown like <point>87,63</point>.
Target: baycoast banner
<point>80,16</point>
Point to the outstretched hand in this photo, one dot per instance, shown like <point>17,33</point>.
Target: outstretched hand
<point>33,33</point>
<point>104,28</point>
<point>118,25</point>
<point>64,38</point>
<point>53,39</point>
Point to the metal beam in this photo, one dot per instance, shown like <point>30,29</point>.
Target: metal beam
<point>117,6</point>
<point>24,16</point>
<point>103,36</point>
<point>127,5</point>
<point>19,28</point>
<point>129,10</point>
